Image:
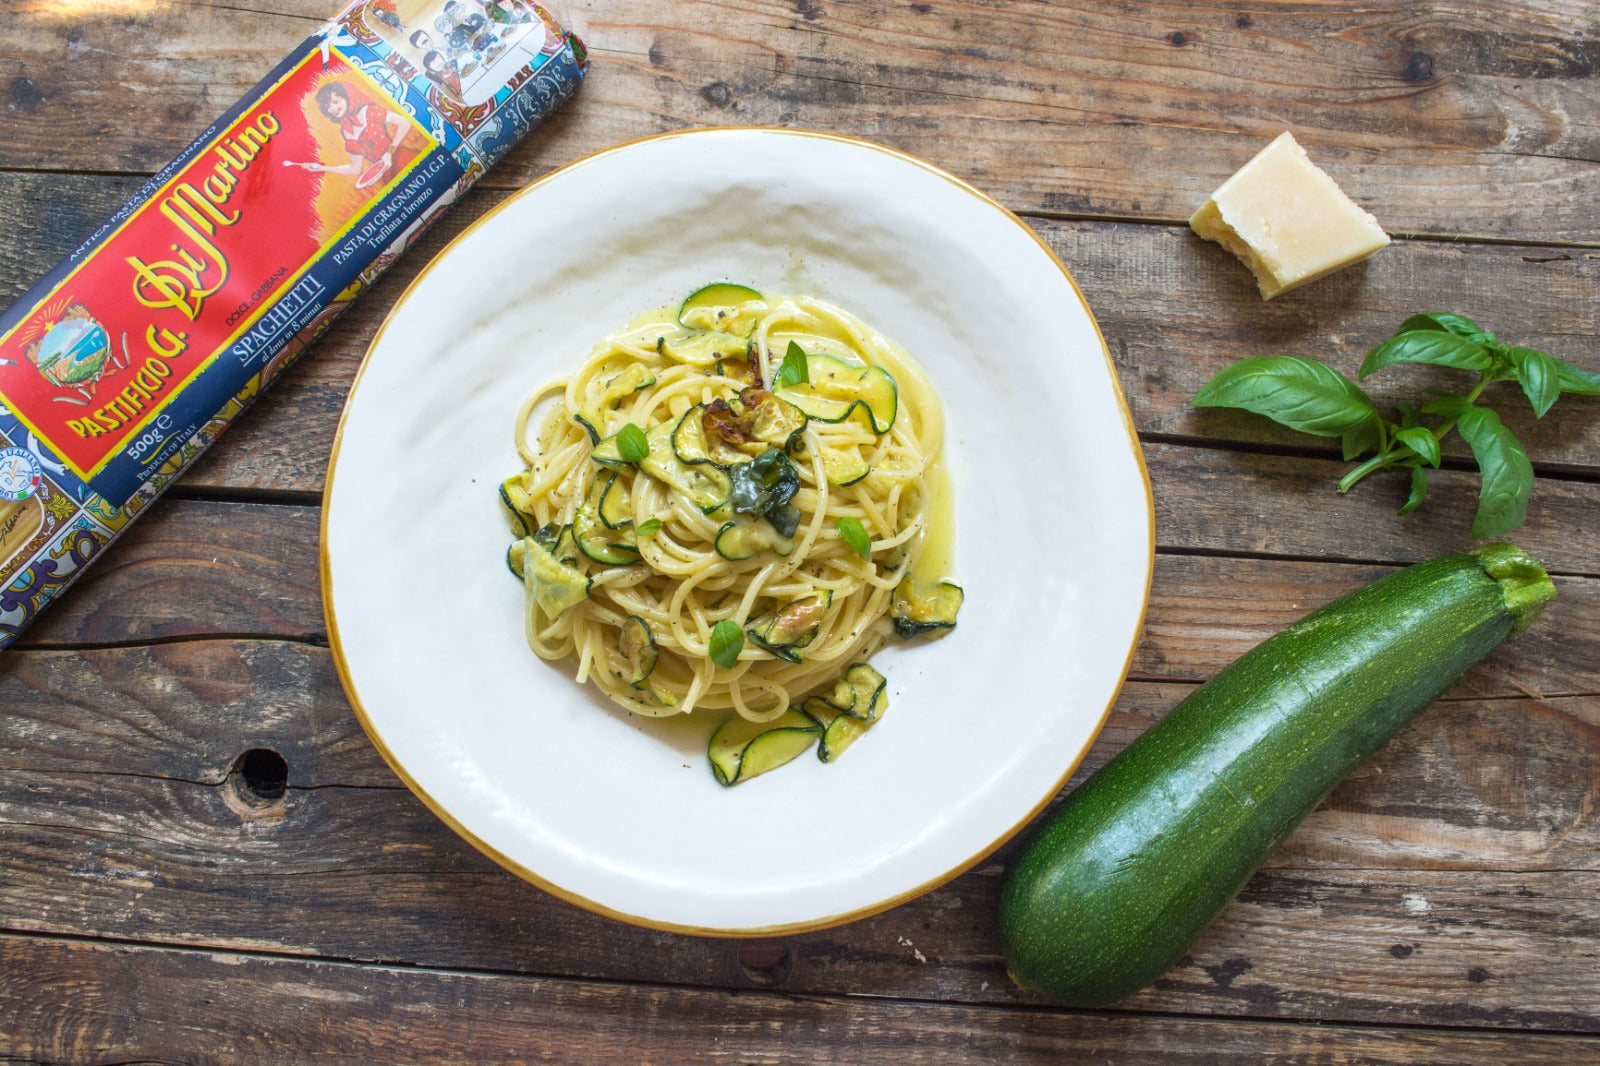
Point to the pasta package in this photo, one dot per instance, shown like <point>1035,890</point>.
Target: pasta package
<point>131,356</point>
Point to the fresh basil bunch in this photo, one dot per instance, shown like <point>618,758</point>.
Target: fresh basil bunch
<point>1312,397</point>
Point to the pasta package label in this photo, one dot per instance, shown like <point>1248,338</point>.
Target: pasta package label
<point>135,353</point>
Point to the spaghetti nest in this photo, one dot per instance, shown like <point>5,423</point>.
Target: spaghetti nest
<point>723,502</point>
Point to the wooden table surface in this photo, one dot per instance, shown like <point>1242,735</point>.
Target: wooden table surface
<point>159,903</point>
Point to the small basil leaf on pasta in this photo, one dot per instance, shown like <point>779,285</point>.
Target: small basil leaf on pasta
<point>631,443</point>
<point>794,370</point>
<point>727,640</point>
<point>854,535</point>
<point>649,527</point>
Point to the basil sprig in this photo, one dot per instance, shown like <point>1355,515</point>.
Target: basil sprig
<point>1311,397</point>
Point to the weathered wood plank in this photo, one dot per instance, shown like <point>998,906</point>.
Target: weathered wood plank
<point>69,1002</point>
<point>207,568</point>
<point>1246,503</point>
<point>1470,840</point>
<point>1206,612</point>
<point>1446,117</point>
<point>127,88</point>
<point>198,567</point>
<point>186,712</point>
<point>1450,881</point>
<point>1174,311</point>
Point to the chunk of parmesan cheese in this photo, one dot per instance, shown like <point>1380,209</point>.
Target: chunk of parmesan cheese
<point>1287,220</point>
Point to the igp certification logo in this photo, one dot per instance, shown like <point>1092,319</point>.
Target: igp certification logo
<point>20,474</point>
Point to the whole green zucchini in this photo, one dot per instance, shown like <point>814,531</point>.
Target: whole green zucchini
<point>1121,879</point>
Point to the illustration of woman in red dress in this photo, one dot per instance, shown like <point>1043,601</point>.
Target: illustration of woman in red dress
<point>380,142</point>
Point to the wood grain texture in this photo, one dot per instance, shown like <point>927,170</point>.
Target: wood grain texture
<point>121,1003</point>
<point>1242,502</point>
<point>1449,117</point>
<point>1442,905</point>
<point>1467,847</point>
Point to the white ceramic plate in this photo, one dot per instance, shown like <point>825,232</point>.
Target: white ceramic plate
<point>1054,539</point>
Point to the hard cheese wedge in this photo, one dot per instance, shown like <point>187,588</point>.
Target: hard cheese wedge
<point>1287,220</point>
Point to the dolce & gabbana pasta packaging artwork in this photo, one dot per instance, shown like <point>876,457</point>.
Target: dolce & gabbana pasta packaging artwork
<point>133,355</point>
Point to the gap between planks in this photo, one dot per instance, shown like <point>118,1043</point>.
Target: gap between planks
<point>490,183</point>
<point>997,1009</point>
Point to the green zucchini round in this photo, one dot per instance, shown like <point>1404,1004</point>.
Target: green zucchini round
<point>1118,882</point>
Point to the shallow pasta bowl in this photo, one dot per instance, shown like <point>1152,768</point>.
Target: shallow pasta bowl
<point>619,814</point>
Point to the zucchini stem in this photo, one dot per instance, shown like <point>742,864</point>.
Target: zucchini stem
<point>1524,585</point>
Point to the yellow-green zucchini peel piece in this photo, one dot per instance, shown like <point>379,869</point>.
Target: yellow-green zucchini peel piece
<point>741,749</point>
<point>703,348</point>
<point>633,377</point>
<point>858,700</point>
<point>556,585</point>
<point>636,642</point>
<point>917,610</point>
<point>787,631</point>
<point>837,390</point>
<point>717,306</point>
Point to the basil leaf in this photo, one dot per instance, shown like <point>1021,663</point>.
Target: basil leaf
<point>1302,394</point>
<point>648,528</point>
<point>1408,416</point>
<point>1357,440</point>
<point>854,535</point>
<point>766,482</point>
<point>631,443</point>
<point>1421,440</point>
<point>1538,375</point>
<point>1427,346</point>
<point>1576,381</point>
<point>1446,405</point>
<point>727,641</point>
<point>1419,490</point>
<point>784,519</point>
<point>1507,474</point>
<point>794,370</point>
<point>1444,322</point>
